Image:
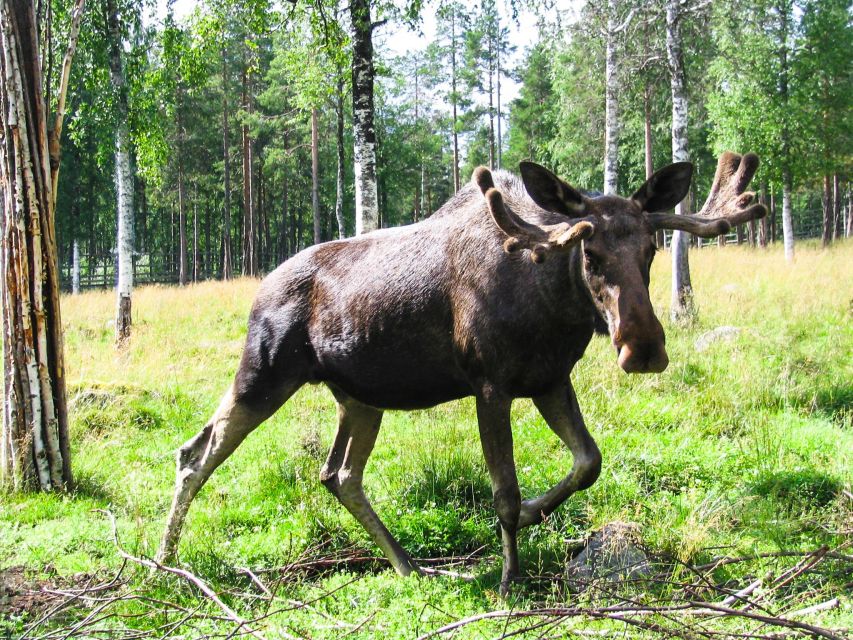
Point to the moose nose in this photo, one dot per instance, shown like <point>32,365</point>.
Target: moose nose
<point>647,357</point>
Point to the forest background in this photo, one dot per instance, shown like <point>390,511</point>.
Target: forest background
<point>240,117</point>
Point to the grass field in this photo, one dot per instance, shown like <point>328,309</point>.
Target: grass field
<point>743,448</point>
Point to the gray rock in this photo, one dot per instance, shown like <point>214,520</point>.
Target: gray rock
<point>612,553</point>
<point>720,334</point>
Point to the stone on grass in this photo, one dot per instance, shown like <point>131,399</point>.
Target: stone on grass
<point>611,553</point>
<point>720,334</point>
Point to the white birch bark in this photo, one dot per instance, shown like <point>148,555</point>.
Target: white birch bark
<point>682,292</point>
<point>339,178</point>
<point>611,105</point>
<point>787,219</point>
<point>34,445</point>
<point>123,183</point>
<point>75,267</point>
<point>364,135</point>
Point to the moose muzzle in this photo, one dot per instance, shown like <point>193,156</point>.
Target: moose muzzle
<point>643,357</point>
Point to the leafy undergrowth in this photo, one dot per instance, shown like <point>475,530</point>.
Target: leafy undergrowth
<point>741,449</point>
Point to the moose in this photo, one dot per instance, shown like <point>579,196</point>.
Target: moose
<point>495,296</point>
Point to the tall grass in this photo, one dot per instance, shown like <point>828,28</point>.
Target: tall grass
<point>745,446</point>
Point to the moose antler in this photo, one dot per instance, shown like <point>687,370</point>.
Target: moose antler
<point>728,203</point>
<point>522,234</point>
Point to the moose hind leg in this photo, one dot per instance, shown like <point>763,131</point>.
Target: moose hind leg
<point>199,456</point>
<point>358,426</point>
<point>562,414</point>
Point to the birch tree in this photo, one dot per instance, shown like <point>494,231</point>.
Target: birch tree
<point>364,133</point>
<point>681,307</point>
<point>612,34</point>
<point>34,451</point>
<point>123,178</point>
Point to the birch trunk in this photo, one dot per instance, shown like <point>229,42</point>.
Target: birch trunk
<point>339,182</point>
<point>364,134</point>
<point>315,178</point>
<point>183,276</point>
<point>611,106</point>
<point>227,259</point>
<point>491,72</point>
<point>682,308</point>
<point>764,235</point>
<point>498,94</point>
<point>787,181</point>
<point>453,100</point>
<point>787,219</point>
<point>123,182</point>
<point>250,253</point>
<point>75,267</point>
<point>827,206</point>
<point>34,452</point>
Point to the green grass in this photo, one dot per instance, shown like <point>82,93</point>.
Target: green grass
<point>744,447</point>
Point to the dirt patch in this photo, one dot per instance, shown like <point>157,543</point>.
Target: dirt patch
<point>21,594</point>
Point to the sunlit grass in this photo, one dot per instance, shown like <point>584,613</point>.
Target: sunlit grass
<point>743,446</point>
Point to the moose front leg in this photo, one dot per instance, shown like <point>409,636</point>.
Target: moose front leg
<point>493,416</point>
<point>563,415</point>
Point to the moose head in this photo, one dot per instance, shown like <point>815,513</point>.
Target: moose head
<point>617,235</point>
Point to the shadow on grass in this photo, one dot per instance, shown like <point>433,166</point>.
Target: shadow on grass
<point>797,490</point>
<point>89,486</point>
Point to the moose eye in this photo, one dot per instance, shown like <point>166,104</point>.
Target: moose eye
<point>592,262</point>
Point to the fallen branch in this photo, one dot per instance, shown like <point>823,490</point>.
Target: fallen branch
<point>189,577</point>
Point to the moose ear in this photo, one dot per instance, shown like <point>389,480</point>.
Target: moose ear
<point>666,188</point>
<point>549,192</point>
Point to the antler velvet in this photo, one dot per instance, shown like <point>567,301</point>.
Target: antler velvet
<point>524,235</point>
<point>728,203</point>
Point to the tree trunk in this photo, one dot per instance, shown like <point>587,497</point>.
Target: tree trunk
<point>226,145</point>
<point>787,181</point>
<point>491,73</point>
<point>826,205</point>
<point>34,451</point>
<point>183,276</point>
<point>787,218</point>
<point>453,101</point>
<point>611,105</point>
<point>498,92</point>
<point>285,213</point>
<point>339,181</point>
<point>123,180</point>
<point>250,256</point>
<point>315,178</point>
<point>195,236</point>
<point>75,267</point>
<point>838,223</point>
<point>682,308</point>
<point>364,134</point>
<point>772,214</point>
<point>848,233</point>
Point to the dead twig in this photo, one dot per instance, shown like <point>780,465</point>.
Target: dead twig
<point>189,577</point>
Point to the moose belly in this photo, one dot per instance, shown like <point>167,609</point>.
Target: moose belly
<point>391,373</point>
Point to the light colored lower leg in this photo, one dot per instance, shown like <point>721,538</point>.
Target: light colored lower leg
<point>358,427</point>
<point>199,457</point>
